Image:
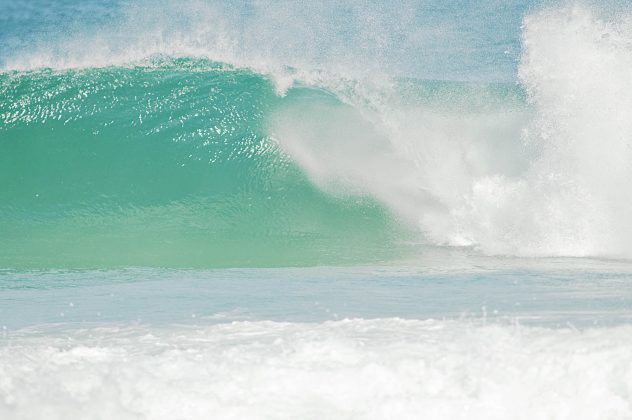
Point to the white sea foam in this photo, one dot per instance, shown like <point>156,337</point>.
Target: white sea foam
<point>351,369</point>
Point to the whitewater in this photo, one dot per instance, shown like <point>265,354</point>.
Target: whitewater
<point>273,210</point>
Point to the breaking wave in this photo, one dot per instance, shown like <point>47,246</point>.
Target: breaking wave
<point>190,148</point>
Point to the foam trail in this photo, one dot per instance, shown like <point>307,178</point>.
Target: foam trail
<point>353,369</point>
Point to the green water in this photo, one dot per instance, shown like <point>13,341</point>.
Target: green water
<point>166,165</point>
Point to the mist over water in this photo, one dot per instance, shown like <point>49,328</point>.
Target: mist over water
<point>424,39</point>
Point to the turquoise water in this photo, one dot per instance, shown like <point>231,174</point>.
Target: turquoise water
<point>139,166</point>
<point>281,210</point>
<point>515,293</point>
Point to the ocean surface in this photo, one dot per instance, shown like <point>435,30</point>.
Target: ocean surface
<point>258,209</point>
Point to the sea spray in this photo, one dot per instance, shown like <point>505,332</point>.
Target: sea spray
<point>541,177</point>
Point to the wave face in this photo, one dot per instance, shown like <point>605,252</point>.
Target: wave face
<point>163,140</point>
<point>169,165</point>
